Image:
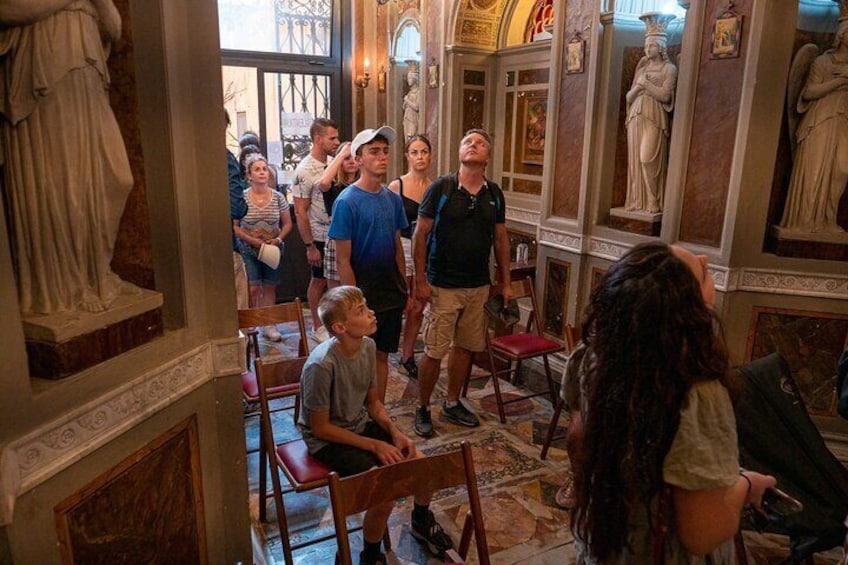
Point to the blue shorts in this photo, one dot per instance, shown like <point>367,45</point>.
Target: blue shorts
<point>260,273</point>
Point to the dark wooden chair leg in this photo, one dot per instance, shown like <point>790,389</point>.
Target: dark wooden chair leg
<point>551,385</point>
<point>263,476</point>
<point>549,438</point>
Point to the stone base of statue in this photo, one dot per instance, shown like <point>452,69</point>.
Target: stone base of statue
<point>643,223</point>
<point>60,345</point>
<point>831,246</point>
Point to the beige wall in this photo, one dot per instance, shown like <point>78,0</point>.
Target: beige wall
<point>182,130</point>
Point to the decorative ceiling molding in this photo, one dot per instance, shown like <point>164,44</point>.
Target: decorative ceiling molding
<point>787,282</point>
<point>56,445</point>
<point>522,215</point>
<point>607,249</point>
<point>478,22</point>
<point>560,240</point>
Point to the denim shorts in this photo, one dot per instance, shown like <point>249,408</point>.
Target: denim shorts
<point>260,273</point>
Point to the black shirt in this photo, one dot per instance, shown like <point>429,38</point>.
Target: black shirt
<point>460,242</point>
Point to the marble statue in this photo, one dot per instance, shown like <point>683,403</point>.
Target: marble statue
<point>649,102</point>
<point>65,165</point>
<point>411,102</point>
<point>820,168</point>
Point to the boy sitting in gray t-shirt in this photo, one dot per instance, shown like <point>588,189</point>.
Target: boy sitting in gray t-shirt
<point>344,422</point>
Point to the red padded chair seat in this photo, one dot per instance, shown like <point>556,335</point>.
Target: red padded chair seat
<point>295,456</point>
<point>251,388</point>
<point>524,344</point>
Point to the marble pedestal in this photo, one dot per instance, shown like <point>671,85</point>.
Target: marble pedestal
<point>796,243</point>
<point>644,223</point>
<point>60,345</point>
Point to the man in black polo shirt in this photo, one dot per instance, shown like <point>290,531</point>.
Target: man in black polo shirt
<point>461,216</point>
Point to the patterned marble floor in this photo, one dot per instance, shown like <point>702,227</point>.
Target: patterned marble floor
<point>523,524</point>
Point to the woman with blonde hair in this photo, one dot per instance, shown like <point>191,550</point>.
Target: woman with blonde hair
<point>338,175</point>
<point>267,222</point>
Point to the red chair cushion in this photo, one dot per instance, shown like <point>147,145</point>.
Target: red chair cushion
<point>525,345</point>
<point>250,387</point>
<point>295,456</point>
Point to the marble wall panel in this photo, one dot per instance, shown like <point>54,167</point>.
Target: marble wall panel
<point>133,257</point>
<point>473,101</point>
<point>811,343</point>
<point>507,144</point>
<point>714,123</point>
<point>433,22</point>
<point>557,279</point>
<point>148,509</point>
<point>571,118</point>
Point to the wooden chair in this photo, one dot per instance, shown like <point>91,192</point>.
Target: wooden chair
<point>357,493</point>
<point>292,458</point>
<point>572,336</point>
<point>518,347</point>
<point>249,320</point>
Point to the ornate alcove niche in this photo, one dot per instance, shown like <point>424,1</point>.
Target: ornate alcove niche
<point>806,209</point>
<point>625,38</point>
<point>521,102</point>
<point>406,62</point>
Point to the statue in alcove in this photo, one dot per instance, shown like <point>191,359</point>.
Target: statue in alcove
<point>66,167</point>
<point>649,103</point>
<point>411,102</point>
<point>820,140</point>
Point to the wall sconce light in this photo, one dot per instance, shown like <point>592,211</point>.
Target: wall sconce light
<point>363,79</point>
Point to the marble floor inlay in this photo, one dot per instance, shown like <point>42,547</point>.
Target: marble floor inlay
<point>523,523</point>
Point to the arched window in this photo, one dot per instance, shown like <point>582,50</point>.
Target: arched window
<point>408,44</point>
<point>540,21</point>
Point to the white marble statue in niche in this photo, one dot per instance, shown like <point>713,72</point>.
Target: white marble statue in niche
<point>411,101</point>
<point>649,102</point>
<point>820,168</point>
<point>65,164</point>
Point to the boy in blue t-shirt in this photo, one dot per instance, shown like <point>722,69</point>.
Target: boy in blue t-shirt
<point>344,422</point>
<point>366,223</point>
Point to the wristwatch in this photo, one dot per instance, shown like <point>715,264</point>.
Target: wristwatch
<point>309,244</point>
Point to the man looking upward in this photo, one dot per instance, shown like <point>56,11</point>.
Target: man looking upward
<point>312,218</point>
<point>461,216</point>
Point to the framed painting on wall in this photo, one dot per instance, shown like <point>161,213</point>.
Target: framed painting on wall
<point>534,123</point>
<point>574,55</point>
<point>727,35</point>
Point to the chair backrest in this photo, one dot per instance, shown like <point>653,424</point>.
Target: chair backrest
<point>272,315</point>
<point>357,493</point>
<point>524,289</point>
<point>275,374</point>
<point>572,336</point>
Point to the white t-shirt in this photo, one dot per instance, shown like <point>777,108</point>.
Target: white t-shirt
<point>306,175</point>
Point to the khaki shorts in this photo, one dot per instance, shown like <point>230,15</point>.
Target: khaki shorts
<point>455,316</point>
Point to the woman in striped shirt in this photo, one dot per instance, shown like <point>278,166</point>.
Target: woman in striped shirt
<point>268,221</point>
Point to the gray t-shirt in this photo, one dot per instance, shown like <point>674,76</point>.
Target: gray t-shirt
<point>307,173</point>
<point>338,384</point>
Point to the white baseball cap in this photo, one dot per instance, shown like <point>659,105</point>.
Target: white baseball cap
<point>367,136</point>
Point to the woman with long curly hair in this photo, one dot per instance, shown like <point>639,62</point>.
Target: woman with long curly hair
<point>657,478</point>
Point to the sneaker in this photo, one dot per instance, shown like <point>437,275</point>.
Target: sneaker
<point>459,415</point>
<point>321,334</point>
<point>565,495</point>
<point>410,367</point>
<point>423,422</point>
<point>272,333</point>
<point>431,534</point>
<point>365,560</point>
